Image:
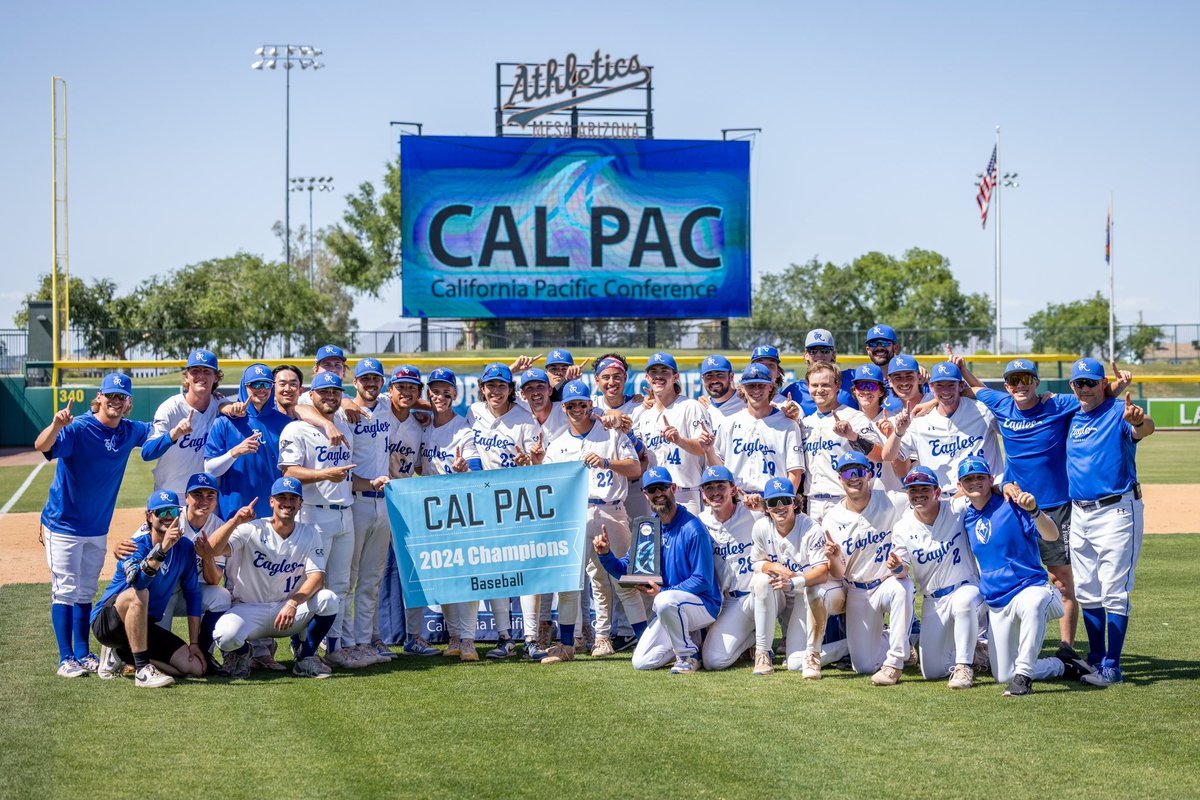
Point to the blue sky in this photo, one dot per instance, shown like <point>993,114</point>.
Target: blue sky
<point>876,118</point>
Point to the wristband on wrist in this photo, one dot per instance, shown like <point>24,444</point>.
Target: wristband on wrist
<point>293,604</point>
<point>607,463</point>
<point>898,569</point>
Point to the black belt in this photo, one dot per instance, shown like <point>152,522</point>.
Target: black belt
<point>370,494</point>
<point>738,594</point>
<point>333,507</point>
<point>947,590</point>
<point>1110,500</point>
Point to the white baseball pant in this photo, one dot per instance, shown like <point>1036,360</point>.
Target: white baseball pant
<point>864,624</point>
<point>75,563</point>
<point>336,527</point>
<point>731,634</point>
<point>768,604</point>
<point>949,630</point>
<point>679,614</point>
<point>1105,545</point>
<point>1015,634</point>
<point>368,563</point>
<point>605,588</point>
<point>212,598</point>
<point>246,621</point>
<point>462,619</point>
<point>825,599</point>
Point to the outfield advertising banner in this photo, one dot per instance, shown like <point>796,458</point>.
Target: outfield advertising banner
<point>482,535</point>
<point>1174,412</point>
<point>529,228</point>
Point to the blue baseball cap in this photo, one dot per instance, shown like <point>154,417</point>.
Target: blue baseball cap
<point>665,359</point>
<point>330,351</point>
<point>868,372</point>
<point>819,337</point>
<point>1087,368</point>
<point>717,472</point>
<point>575,390</point>
<point>881,332</point>
<point>655,476</point>
<point>534,374</point>
<point>1021,365</point>
<point>201,480</point>
<point>944,372</point>
<point>326,380</point>
<point>560,357</point>
<point>407,373</point>
<point>369,366</point>
<point>202,358</point>
<point>852,460</point>
<point>765,351</point>
<point>116,383</point>
<point>756,373</point>
<point>778,487</point>
<point>257,372</point>
<point>496,372</point>
<point>286,486</point>
<point>163,498</point>
<point>443,375</point>
<point>973,465</point>
<point>920,476</point>
<point>715,363</point>
<point>903,363</point>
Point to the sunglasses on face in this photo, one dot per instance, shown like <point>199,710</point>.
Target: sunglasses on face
<point>114,397</point>
<point>259,385</point>
<point>779,502</point>
<point>867,386</point>
<point>851,473</point>
<point>819,350</point>
<point>879,343</point>
<point>915,480</point>
<point>1085,383</point>
<point>658,488</point>
<point>1024,379</point>
<point>167,513</point>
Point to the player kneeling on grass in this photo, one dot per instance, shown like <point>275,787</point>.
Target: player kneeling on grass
<point>1003,535</point>
<point>729,525</point>
<point>689,600</point>
<point>277,571</point>
<point>790,553</point>
<point>929,538</point>
<point>145,581</point>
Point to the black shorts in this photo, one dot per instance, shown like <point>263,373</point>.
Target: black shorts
<point>109,630</point>
<point>1058,552</point>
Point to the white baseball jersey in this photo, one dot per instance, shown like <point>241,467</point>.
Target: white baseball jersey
<point>866,538</point>
<point>687,416</point>
<point>266,568</point>
<point>885,477</point>
<point>185,457</point>
<point>822,446</point>
<point>938,555</point>
<point>191,533</point>
<point>370,436</point>
<point>801,550</point>
<point>440,445</point>
<point>305,445</point>
<point>941,443</point>
<point>731,541</point>
<point>720,413</point>
<point>497,440</point>
<point>404,447</point>
<point>603,484</point>
<point>756,450</point>
<point>555,425</point>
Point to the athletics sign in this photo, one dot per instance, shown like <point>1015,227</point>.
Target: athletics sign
<point>535,228</point>
<point>481,535</point>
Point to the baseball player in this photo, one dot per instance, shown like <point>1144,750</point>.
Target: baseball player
<point>768,356</point>
<point>675,429</point>
<point>881,348</point>
<point>193,412</point>
<point>790,553</point>
<point>611,461</point>
<point>506,435</point>
<point>330,358</point>
<point>929,539</point>
<point>861,524</point>
<point>689,599</point>
<point>820,348</point>
<point>1106,513</point>
<point>92,450</point>
<point>612,372</point>
<point>869,390</point>
<point>760,442</point>
<point>561,367</point>
<point>831,432</point>
<point>142,586</point>
<point>289,383</point>
<point>326,471</point>
<point>716,373</point>
<point>448,446</point>
<point>243,452</point>
<point>277,569</point>
<point>1019,597</point>
<point>729,525</point>
<point>956,429</point>
<point>904,377</point>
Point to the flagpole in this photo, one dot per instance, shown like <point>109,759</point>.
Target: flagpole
<point>1112,314</point>
<point>996,189</point>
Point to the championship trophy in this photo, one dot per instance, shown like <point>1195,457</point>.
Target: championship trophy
<point>645,553</point>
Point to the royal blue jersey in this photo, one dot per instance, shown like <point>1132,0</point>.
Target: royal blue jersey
<point>798,391</point>
<point>252,474</point>
<point>1004,540</point>
<point>1035,443</point>
<point>179,569</point>
<point>1101,452</point>
<point>687,559</point>
<point>91,463</point>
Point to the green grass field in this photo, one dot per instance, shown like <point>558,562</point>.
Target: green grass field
<point>438,728</point>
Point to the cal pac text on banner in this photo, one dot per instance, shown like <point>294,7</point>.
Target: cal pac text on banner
<point>497,533</point>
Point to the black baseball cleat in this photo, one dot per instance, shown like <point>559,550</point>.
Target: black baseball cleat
<point>212,669</point>
<point>1020,686</point>
<point>1074,667</point>
<point>624,643</point>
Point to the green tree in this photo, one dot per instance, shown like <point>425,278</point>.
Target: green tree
<point>1080,327</point>
<point>367,247</point>
<point>104,319</point>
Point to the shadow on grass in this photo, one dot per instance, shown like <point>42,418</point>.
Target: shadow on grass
<point>1143,670</point>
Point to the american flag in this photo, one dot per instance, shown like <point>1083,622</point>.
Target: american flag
<point>1108,238</point>
<point>985,188</point>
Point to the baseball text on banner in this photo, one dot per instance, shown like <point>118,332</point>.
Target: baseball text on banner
<point>517,227</point>
<point>496,533</point>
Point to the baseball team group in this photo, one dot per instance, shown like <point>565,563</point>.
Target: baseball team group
<point>820,506</point>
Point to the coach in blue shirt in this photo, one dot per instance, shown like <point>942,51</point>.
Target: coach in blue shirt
<point>689,599</point>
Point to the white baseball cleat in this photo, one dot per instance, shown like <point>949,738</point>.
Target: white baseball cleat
<point>685,665</point>
<point>148,677</point>
<point>602,647</point>
<point>455,648</point>
<point>886,676</point>
<point>111,665</point>
<point>764,662</point>
<point>70,668</point>
<point>311,667</point>
<point>961,677</point>
<point>812,667</point>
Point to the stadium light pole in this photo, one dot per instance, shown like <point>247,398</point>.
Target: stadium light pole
<point>310,185</point>
<point>289,57</point>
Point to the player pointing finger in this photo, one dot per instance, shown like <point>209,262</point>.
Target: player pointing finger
<point>459,464</point>
<point>64,417</point>
<point>184,426</point>
<point>1134,414</point>
<point>600,542</point>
